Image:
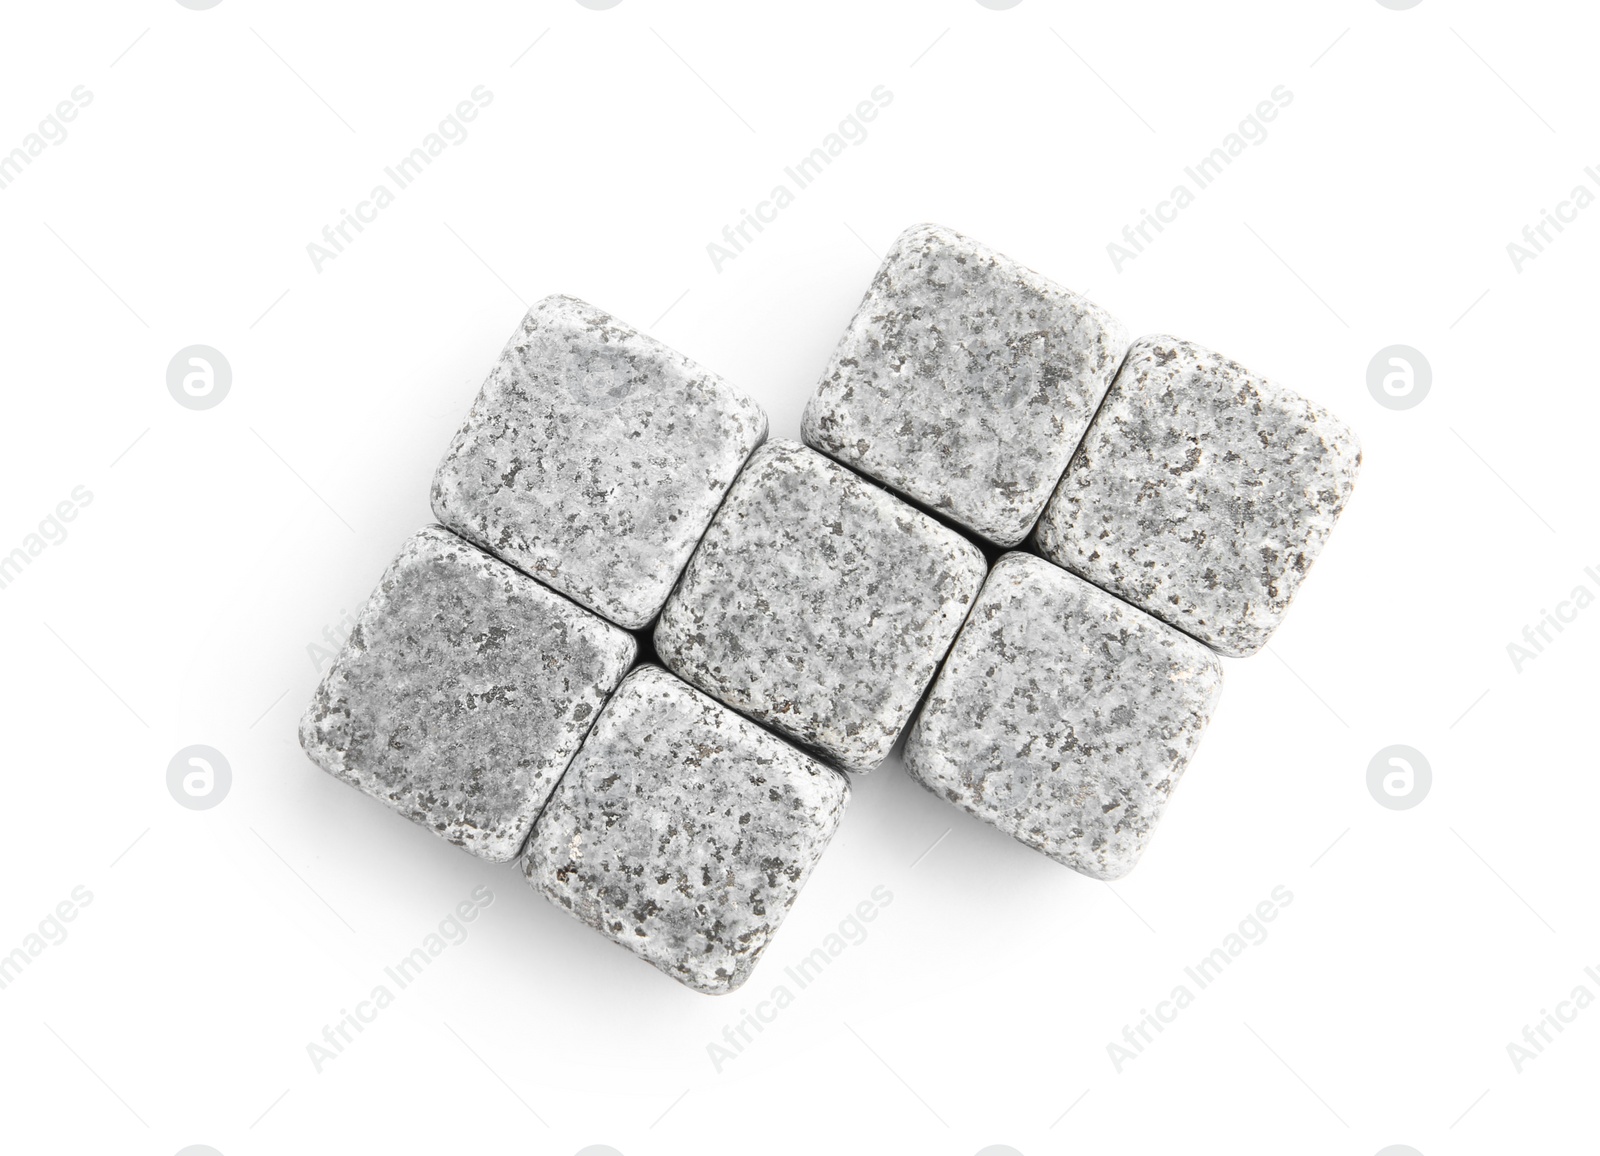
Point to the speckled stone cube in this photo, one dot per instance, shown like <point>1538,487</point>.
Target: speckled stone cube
<point>593,459</point>
<point>819,605</point>
<point>1202,493</point>
<point>462,693</point>
<point>684,832</point>
<point>965,382</point>
<point>1064,717</point>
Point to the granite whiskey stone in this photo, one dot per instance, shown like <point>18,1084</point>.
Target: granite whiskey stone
<point>819,605</point>
<point>964,382</point>
<point>1064,717</point>
<point>1202,493</point>
<point>684,832</point>
<point>593,459</point>
<point>462,693</point>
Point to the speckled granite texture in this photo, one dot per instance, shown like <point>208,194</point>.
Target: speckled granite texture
<point>1202,493</point>
<point>684,832</point>
<point>463,692</point>
<point>819,605</point>
<point>593,459</point>
<point>1064,717</point>
<point>965,382</point>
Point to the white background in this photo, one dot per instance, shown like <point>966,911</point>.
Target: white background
<point>218,545</point>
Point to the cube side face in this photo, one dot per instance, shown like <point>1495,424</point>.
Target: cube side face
<point>965,381</point>
<point>684,832</point>
<point>1202,494</point>
<point>1064,717</point>
<point>593,459</point>
<point>819,605</point>
<point>464,690</point>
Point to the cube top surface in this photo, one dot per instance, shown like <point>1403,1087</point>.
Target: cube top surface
<point>1064,717</point>
<point>1202,493</point>
<point>462,693</point>
<point>819,605</point>
<point>593,458</point>
<point>965,382</point>
<point>683,831</point>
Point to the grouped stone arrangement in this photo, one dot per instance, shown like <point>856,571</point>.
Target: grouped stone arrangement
<point>807,597</point>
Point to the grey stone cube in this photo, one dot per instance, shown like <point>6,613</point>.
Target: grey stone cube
<point>965,382</point>
<point>684,832</point>
<point>1202,493</point>
<point>1064,717</point>
<point>819,605</point>
<point>593,458</point>
<point>463,691</point>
